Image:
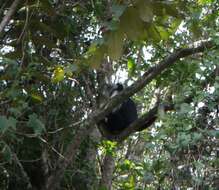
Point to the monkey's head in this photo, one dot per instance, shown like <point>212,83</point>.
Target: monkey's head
<point>116,89</point>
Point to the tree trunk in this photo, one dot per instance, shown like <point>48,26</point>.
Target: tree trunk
<point>107,172</point>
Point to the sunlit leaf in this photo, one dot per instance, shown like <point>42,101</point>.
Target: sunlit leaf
<point>204,2</point>
<point>126,165</point>
<point>58,75</point>
<point>96,57</point>
<point>37,97</point>
<point>115,44</point>
<point>164,34</point>
<point>131,24</point>
<point>175,25</point>
<point>153,33</point>
<point>131,66</point>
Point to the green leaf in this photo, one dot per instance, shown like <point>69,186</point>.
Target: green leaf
<point>35,124</point>
<point>115,44</point>
<point>58,75</point>
<point>196,29</point>
<point>164,8</point>
<point>117,10</point>
<point>196,137</point>
<point>205,2</point>
<point>148,177</point>
<point>185,108</point>
<point>12,122</point>
<point>183,139</point>
<point>153,33</point>
<point>4,124</point>
<point>175,25</point>
<point>127,165</point>
<point>109,146</point>
<point>7,154</point>
<point>145,11</point>
<point>131,66</point>
<point>131,24</point>
<point>16,111</point>
<point>36,97</point>
<point>164,34</point>
<point>213,133</point>
<point>69,69</point>
<point>96,57</point>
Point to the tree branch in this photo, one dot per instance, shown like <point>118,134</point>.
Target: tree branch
<point>148,76</point>
<point>53,180</point>
<point>9,14</point>
<point>146,120</point>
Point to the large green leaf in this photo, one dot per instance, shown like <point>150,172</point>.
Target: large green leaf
<point>131,24</point>
<point>115,44</point>
<point>4,124</point>
<point>153,33</point>
<point>96,55</point>
<point>145,10</point>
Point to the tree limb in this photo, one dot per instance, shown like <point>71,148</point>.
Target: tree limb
<point>53,180</point>
<point>9,14</point>
<point>148,76</point>
<point>149,118</point>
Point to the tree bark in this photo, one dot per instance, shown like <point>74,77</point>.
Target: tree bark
<point>107,172</point>
<point>8,15</point>
<point>54,179</point>
<point>97,116</point>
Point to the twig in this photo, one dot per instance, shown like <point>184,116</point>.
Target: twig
<point>25,26</point>
<point>23,172</point>
<point>64,128</point>
<point>51,147</point>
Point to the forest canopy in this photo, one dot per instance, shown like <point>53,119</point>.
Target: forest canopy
<point>58,58</point>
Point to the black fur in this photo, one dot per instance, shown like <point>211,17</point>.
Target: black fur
<point>123,116</point>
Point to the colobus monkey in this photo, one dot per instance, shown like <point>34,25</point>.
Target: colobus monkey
<point>123,115</point>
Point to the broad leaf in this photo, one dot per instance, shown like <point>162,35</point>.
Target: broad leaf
<point>58,75</point>
<point>36,124</point>
<point>115,44</point>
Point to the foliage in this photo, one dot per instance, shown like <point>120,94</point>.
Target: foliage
<point>52,58</point>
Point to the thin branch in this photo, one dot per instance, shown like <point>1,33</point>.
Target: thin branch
<point>146,120</point>
<point>72,149</point>
<point>53,180</point>
<point>65,128</point>
<point>9,14</point>
<point>23,172</point>
<point>51,147</point>
<point>148,76</point>
<point>25,26</point>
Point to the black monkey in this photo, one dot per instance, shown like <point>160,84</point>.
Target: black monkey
<point>123,115</point>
